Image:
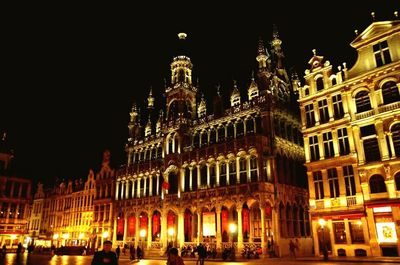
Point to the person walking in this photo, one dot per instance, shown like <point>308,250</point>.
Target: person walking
<point>174,258</point>
<point>118,252</point>
<point>106,256</point>
<point>202,252</point>
<point>292,249</point>
<point>132,252</point>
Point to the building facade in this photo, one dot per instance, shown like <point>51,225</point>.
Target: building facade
<point>217,175</point>
<point>63,215</point>
<point>351,128</point>
<point>15,195</point>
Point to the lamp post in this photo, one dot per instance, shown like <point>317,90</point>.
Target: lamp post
<point>171,232</point>
<point>322,223</point>
<point>142,236</point>
<point>232,230</point>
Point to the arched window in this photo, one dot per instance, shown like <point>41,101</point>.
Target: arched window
<point>194,178</point>
<point>171,144</point>
<point>253,169</point>
<point>397,180</point>
<point>196,140</point>
<point>203,175</point>
<point>230,131</point>
<point>390,92</point>
<point>159,151</point>
<point>377,184</point>
<point>249,126</point>
<point>173,181</point>
<point>154,185</point>
<point>222,174</point>
<point>301,219</point>
<point>242,170</point>
<point>306,92</point>
<point>232,172</point>
<point>213,177</point>
<point>187,179</point>
<point>221,134</point>
<point>239,128</point>
<point>362,101</point>
<point>395,130</point>
<point>213,136</point>
<point>334,82</point>
<point>320,83</point>
<point>204,138</point>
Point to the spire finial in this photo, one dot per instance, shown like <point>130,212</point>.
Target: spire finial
<point>373,15</point>
<point>252,75</point>
<point>314,52</point>
<point>396,14</point>
<point>356,32</point>
<point>261,48</point>
<point>149,119</point>
<point>234,83</point>
<point>218,86</point>
<point>151,91</point>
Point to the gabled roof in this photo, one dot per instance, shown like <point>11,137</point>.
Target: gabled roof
<point>375,31</point>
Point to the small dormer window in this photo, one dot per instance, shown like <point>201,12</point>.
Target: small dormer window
<point>253,94</point>
<point>382,53</point>
<point>235,101</point>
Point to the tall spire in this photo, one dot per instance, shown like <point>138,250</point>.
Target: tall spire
<point>275,35</point>
<point>262,55</point>
<point>150,99</point>
<point>235,96</point>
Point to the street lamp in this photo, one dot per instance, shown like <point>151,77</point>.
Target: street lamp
<point>232,230</point>
<point>142,236</point>
<point>105,234</point>
<point>322,223</point>
<point>171,232</point>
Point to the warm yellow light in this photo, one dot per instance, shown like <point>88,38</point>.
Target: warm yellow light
<point>55,236</point>
<point>142,233</point>
<point>322,222</point>
<point>171,231</point>
<point>232,228</point>
<point>105,234</point>
<point>359,222</point>
<point>81,235</point>
<point>66,236</point>
<point>28,239</point>
<point>13,237</point>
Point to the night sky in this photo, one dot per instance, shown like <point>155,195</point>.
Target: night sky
<point>70,74</point>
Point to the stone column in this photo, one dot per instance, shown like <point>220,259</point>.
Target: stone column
<point>219,235</point>
<point>191,178</point>
<point>345,105</point>
<point>138,187</point>
<point>227,172</point>
<point>217,173</point>
<point>198,177</point>
<point>181,232</point>
<point>248,169</point>
<point>114,235</point>
<point>316,112</point>
<point>125,228</point>
<point>208,174</point>
<point>164,235</point>
<point>145,187</point>
<point>116,190</point>
<point>137,232</point>
<point>263,243</point>
<point>392,150</point>
<point>133,188</point>
<point>150,178</point>
<point>321,146</point>
<point>359,146</point>
<point>199,232</point>
<point>127,189</point>
<point>149,230</point>
<point>122,189</point>
<point>383,148</point>
<point>335,139</point>
<point>240,227</point>
<point>307,149</point>
<point>351,140</point>
<point>181,182</point>
<point>238,170</point>
<point>158,185</point>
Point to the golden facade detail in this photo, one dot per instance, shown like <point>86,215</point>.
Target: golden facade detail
<point>351,130</point>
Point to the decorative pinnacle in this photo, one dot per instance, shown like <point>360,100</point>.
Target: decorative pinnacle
<point>218,87</point>
<point>356,32</point>
<point>275,33</point>
<point>182,36</point>
<point>396,14</point>
<point>252,75</point>
<point>314,52</point>
<point>151,91</point>
<point>373,16</point>
<point>261,48</point>
<point>234,83</point>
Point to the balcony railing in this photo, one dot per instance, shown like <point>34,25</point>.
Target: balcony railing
<point>364,114</point>
<point>351,200</point>
<point>389,107</point>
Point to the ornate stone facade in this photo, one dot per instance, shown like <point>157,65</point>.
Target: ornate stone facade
<point>196,172</point>
<point>351,128</point>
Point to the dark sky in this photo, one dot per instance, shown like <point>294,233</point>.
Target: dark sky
<point>71,73</point>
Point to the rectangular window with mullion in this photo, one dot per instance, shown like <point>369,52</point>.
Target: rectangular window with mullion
<point>328,144</point>
<point>333,182</point>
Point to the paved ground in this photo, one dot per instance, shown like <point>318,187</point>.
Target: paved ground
<point>11,259</point>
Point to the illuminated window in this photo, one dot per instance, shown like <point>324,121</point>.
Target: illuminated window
<point>344,147</point>
<point>213,136</point>
<point>318,185</point>
<point>310,118</point>
<point>382,53</point>
<point>333,182</point>
<point>253,169</point>
<point>339,232</point>
<point>323,111</point>
<point>221,134</point>
<point>370,143</point>
<point>356,231</point>
<point>349,181</point>
<point>328,144</point>
<point>242,170</point>
<point>337,106</point>
<point>222,174</point>
<point>314,149</point>
<point>362,101</point>
<point>232,172</point>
